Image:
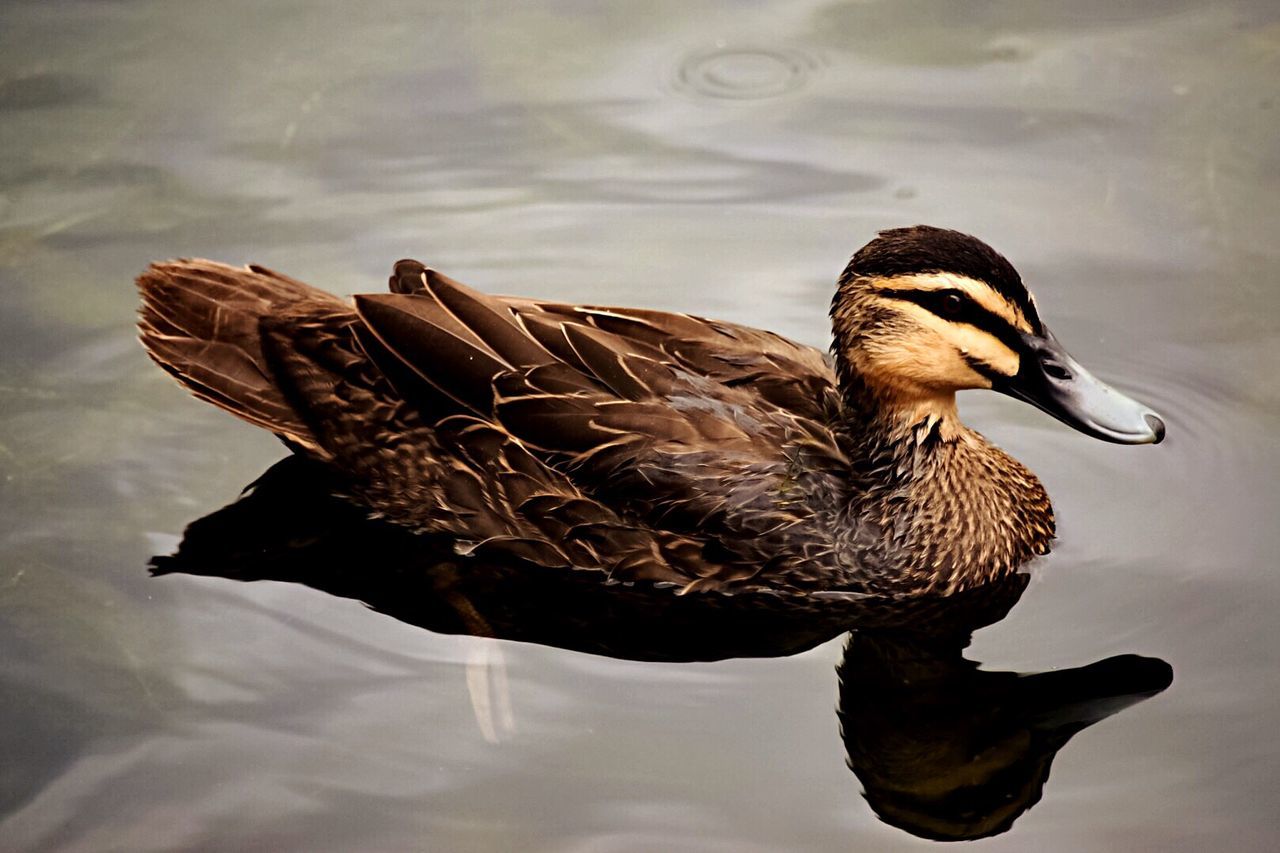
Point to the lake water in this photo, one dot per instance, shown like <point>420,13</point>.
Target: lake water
<point>718,158</point>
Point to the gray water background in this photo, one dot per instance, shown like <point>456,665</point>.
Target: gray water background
<point>717,158</point>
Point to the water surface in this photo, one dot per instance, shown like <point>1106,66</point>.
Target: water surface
<point>721,159</point>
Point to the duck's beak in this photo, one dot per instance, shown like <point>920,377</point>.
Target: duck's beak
<point>1050,379</point>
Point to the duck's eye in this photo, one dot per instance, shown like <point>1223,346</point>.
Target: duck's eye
<point>951,304</point>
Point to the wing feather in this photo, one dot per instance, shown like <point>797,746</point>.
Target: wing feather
<point>645,445</point>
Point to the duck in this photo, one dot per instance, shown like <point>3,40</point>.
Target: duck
<point>657,449</point>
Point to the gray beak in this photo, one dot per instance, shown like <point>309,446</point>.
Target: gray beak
<point>1051,380</point>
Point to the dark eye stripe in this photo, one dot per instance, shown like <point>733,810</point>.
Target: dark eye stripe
<point>970,313</point>
<point>982,368</point>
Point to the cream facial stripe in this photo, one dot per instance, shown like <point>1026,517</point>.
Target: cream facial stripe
<point>979,349</point>
<point>980,292</point>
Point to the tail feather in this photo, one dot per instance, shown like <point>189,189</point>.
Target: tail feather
<point>201,321</point>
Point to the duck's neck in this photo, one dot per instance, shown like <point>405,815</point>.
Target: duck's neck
<point>952,510</point>
<point>898,427</point>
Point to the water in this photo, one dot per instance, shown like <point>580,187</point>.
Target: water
<point>721,159</point>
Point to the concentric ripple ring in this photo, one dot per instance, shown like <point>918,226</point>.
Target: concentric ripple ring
<point>745,73</point>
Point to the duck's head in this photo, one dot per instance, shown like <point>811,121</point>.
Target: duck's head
<point>924,312</point>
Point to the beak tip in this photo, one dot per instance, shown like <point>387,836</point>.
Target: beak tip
<point>1157,426</point>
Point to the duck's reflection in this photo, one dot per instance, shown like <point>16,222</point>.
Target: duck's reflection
<point>944,750</point>
<point>949,752</point>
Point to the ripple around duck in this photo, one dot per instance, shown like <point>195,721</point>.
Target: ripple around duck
<point>1209,417</point>
<point>745,73</point>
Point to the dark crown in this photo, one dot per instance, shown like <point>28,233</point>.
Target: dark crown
<point>923,249</point>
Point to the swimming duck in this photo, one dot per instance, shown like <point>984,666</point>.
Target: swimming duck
<point>660,448</point>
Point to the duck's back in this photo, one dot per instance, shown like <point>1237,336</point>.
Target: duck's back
<point>643,444</point>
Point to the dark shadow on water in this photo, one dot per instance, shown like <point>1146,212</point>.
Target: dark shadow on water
<point>943,749</point>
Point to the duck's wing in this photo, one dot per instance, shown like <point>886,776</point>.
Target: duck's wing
<point>690,426</point>
<point>293,359</point>
<point>644,445</point>
<point>421,455</point>
<point>779,373</point>
<point>630,353</point>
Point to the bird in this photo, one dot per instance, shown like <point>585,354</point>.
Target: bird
<point>658,449</point>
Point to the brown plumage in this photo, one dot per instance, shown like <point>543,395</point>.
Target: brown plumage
<point>650,447</point>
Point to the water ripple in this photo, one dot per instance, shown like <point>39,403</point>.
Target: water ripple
<point>1209,413</point>
<point>744,72</point>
